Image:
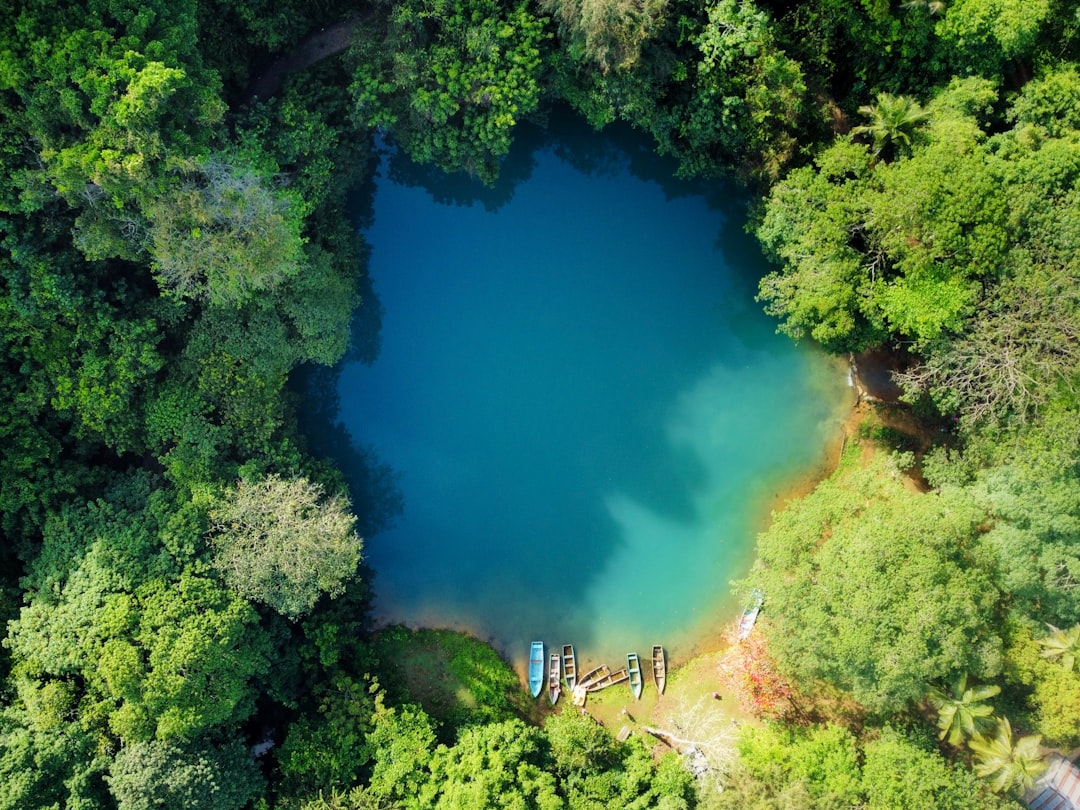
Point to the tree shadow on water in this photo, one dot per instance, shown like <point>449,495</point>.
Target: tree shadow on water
<point>377,498</point>
<point>365,327</point>
<point>459,188</point>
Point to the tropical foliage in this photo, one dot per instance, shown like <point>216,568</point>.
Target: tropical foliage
<point>1008,762</point>
<point>1062,645</point>
<point>962,710</point>
<point>893,121</point>
<point>179,571</point>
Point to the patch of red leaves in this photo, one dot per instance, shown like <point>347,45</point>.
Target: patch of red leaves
<point>748,671</point>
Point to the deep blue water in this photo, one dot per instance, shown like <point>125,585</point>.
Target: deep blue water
<point>585,407</point>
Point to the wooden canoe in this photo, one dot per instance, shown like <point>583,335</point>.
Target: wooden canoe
<point>554,678</point>
<point>593,675</point>
<point>633,669</point>
<point>659,668</point>
<point>569,666</point>
<point>536,668</point>
<point>610,679</point>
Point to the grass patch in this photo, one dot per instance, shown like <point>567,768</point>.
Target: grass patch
<point>457,679</point>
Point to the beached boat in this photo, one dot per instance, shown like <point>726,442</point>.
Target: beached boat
<point>750,614</point>
<point>569,666</point>
<point>554,678</point>
<point>536,668</point>
<point>633,669</point>
<point>593,675</point>
<point>579,695</point>
<point>659,668</point>
<point>609,679</point>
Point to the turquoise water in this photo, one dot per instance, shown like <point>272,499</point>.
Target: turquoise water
<point>585,407</point>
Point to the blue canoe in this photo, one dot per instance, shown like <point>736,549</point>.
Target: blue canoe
<point>536,668</point>
<point>633,667</point>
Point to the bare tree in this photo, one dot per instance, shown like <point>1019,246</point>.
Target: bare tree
<point>1022,347</point>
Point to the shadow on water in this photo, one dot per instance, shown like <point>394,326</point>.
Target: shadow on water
<point>374,490</point>
<point>571,470</point>
<point>365,326</point>
<point>613,150</point>
<point>374,487</point>
<point>458,188</point>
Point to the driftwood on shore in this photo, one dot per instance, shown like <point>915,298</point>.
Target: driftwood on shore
<point>668,737</point>
<point>696,761</point>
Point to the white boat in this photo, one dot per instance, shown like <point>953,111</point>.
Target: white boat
<point>750,614</point>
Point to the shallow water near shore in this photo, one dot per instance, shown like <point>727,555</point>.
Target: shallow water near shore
<point>584,405</point>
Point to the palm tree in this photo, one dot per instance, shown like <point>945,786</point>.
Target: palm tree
<point>1006,762</point>
<point>962,711</point>
<point>893,120</point>
<point>1063,644</point>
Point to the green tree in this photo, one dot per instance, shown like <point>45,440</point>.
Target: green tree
<point>1026,477</point>
<point>982,36</point>
<point>825,289</point>
<point>279,541</point>
<point>1017,353</point>
<point>610,33</point>
<point>893,121</point>
<point>223,234</point>
<point>203,650</point>
<point>748,97</point>
<point>46,760</point>
<point>1007,762</point>
<point>898,772</point>
<point>327,749</point>
<point>822,761</point>
<point>1051,693</point>
<point>156,774</point>
<point>149,648</point>
<point>449,82</point>
<point>1048,101</point>
<point>962,710</point>
<point>497,765</point>
<point>579,746</point>
<point>906,249</point>
<point>878,590</point>
<point>113,92</point>
<point>402,740</point>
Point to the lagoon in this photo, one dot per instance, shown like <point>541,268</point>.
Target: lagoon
<point>585,409</point>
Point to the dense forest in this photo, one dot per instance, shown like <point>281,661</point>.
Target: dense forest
<point>181,571</point>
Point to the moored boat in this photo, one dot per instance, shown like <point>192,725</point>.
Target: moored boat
<point>593,675</point>
<point>633,669</point>
<point>554,673</point>
<point>569,666</point>
<point>609,678</point>
<point>536,668</point>
<point>750,614</point>
<point>659,667</point>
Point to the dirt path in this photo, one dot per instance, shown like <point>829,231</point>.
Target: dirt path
<point>313,48</point>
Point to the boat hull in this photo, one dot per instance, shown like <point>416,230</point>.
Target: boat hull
<point>633,669</point>
<point>554,678</point>
<point>536,668</point>
<point>569,667</point>
<point>659,668</point>
<point>750,614</point>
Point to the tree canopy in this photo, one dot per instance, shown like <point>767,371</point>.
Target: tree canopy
<point>879,590</point>
<point>180,569</point>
